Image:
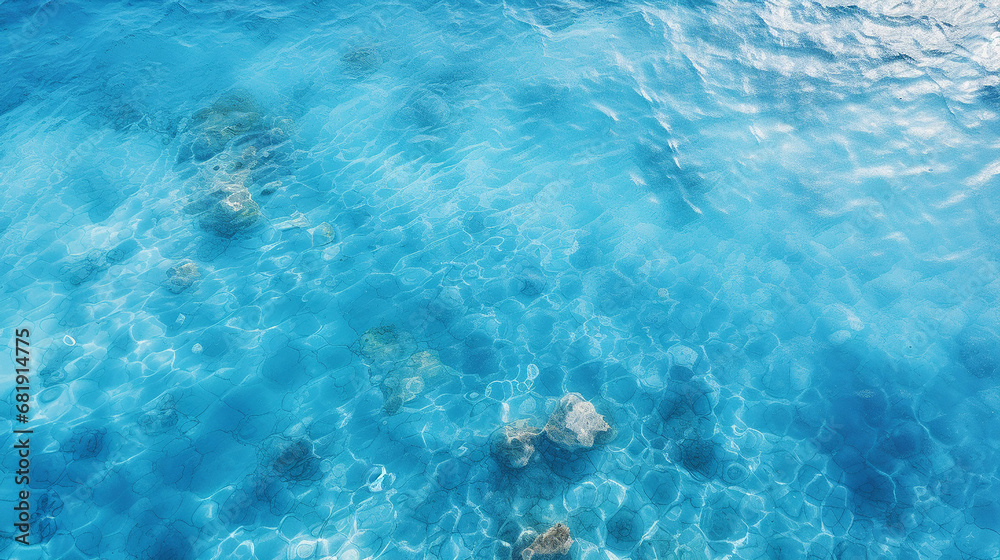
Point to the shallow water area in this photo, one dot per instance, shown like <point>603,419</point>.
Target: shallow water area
<point>316,280</point>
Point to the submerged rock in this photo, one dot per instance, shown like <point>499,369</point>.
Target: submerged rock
<point>398,369</point>
<point>554,542</point>
<point>426,365</point>
<point>245,155</point>
<point>228,107</point>
<point>361,62</point>
<point>229,211</point>
<point>514,445</point>
<point>297,221</point>
<point>425,111</point>
<point>232,115</point>
<point>979,349</point>
<point>429,110</point>
<point>294,461</point>
<point>531,282</point>
<point>323,235</point>
<point>386,344</point>
<point>408,379</point>
<point>161,419</point>
<point>575,423</point>
<point>181,276</point>
<point>385,348</point>
<point>86,443</point>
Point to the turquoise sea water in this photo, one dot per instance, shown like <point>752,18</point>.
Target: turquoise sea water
<point>291,267</point>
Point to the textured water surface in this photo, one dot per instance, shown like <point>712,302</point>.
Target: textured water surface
<point>296,269</point>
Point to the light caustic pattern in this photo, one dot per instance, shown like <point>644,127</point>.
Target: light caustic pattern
<point>308,279</point>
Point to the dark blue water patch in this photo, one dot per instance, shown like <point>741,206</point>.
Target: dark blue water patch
<point>661,486</point>
<point>507,535</point>
<point>908,440</point>
<point>529,281</point>
<point>570,286</point>
<point>123,106</point>
<point>240,509</point>
<point>624,529</point>
<point>588,253</point>
<point>984,510</point>
<point>356,219</point>
<point>684,322</point>
<point>874,262</point>
<point>424,110</point>
<point>613,294</point>
<point>293,461</point>
<point>177,463</point>
<point>361,61</point>
<point>874,494</point>
<point>481,362</point>
<point>475,223</point>
<point>722,519</point>
<point>160,420</point>
<point>880,451</point>
<point>717,318</point>
<point>216,341</point>
<point>686,408</point>
<point>761,346</point>
<point>88,540</point>
<point>285,366</point>
<point>451,473</point>
<point>544,103</point>
<point>580,352</point>
<point>555,16</point>
<point>567,465</point>
<point>586,378</point>
<point>979,351</point>
<point>735,472</point>
<point>102,197</point>
<point>654,316</point>
<point>154,539</point>
<point>47,508</point>
<point>48,503</point>
<point>845,550</point>
<point>16,93</point>
<point>679,190</point>
<point>235,409</point>
<point>365,420</point>
<point>87,442</point>
<point>432,509</point>
<point>955,486</point>
<point>43,529</point>
<point>441,308</point>
<point>621,387</point>
<point>785,548</point>
<point>540,325</point>
<point>990,95</point>
<point>272,495</point>
<point>809,414</point>
<point>703,458</point>
<point>114,490</point>
<point>631,266</point>
<point>93,266</point>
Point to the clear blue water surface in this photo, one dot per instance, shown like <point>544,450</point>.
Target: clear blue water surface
<point>760,236</point>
